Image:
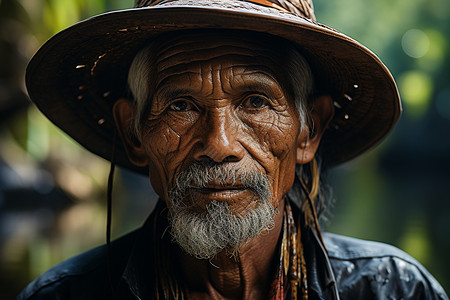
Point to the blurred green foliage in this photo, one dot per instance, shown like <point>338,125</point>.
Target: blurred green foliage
<point>396,194</point>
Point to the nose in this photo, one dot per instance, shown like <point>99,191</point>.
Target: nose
<point>218,139</point>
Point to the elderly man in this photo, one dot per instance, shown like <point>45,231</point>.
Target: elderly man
<point>233,109</point>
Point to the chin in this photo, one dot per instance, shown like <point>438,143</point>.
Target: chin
<point>204,235</point>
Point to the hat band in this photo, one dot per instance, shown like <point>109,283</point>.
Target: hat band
<point>260,2</point>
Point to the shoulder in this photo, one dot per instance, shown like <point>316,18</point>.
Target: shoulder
<point>372,270</point>
<point>82,276</point>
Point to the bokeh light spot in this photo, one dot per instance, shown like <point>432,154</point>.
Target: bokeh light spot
<point>434,59</point>
<point>415,239</point>
<point>415,43</point>
<point>416,89</point>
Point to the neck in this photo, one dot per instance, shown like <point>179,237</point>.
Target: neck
<point>243,274</point>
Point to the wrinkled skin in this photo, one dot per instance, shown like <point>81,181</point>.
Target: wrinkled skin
<point>223,101</point>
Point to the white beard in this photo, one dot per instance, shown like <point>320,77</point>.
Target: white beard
<point>204,235</point>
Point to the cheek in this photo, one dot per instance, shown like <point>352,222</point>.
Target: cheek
<point>277,136</point>
<point>162,144</point>
<point>283,176</point>
<point>287,173</point>
<point>285,152</point>
<point>164,134</point>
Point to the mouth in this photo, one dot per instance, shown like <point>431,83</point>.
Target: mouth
<point>221,193</point>
<point>218,189</point>
<point>214,188</point>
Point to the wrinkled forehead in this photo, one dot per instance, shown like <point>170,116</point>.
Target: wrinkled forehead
<point>235,48</point>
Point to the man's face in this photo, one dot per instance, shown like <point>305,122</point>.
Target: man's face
<point>221,138</point>
<point>220,102</point>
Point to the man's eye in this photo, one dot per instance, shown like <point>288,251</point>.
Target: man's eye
<point>181,105</point>
<point>255,102</point>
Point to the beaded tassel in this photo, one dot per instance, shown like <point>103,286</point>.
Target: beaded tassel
<point>301,265</point>
<point>297,268</point>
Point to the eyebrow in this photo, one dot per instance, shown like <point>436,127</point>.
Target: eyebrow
<point>166,93</point>
<point>265,85</point>
<point>257,86</point>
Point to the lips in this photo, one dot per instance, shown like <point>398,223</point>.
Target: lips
<point>221,193</point>
<point>218,192</point>
<point>218,189</point>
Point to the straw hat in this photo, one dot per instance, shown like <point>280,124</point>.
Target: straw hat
<point>76,76</point>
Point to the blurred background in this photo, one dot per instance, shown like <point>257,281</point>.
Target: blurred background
<point>52,192</point>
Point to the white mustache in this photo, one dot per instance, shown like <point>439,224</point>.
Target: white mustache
<point>204,175</point>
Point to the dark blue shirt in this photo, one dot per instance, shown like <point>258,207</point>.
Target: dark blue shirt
<point>348,269</point>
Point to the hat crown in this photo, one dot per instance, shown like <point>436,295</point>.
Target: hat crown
<point>302,8</point>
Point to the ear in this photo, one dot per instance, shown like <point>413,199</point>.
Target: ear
<point>123,112</point>
<point>322,112</point>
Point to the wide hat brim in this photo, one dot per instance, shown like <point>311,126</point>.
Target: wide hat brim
<point>76,77</point>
